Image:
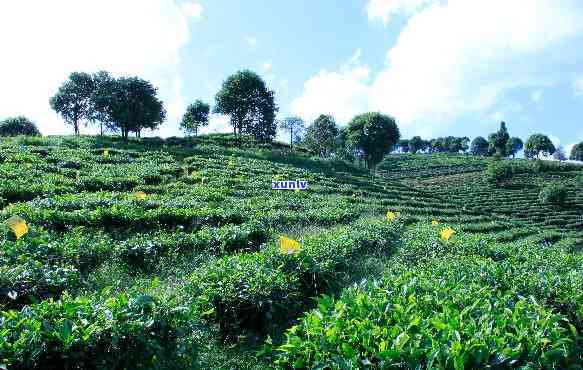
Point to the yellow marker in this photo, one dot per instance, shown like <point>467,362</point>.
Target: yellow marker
<point>446,233</point>
<point>391,216</point>
<point>18,226</point>
<point>289,246</point>
<point>140,195</point>
<point>435,222</point>
<point>105,153</point>
<point>29,165</point>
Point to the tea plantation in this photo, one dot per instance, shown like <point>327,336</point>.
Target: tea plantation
<point>169,254</point>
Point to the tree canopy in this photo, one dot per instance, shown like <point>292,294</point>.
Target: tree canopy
<point>536,144</point>
<point>196,116</point>
<point>373,135</point>
<point>295,126</point>
<point>250,105</point>
<point>321,134</point>
<point>513,146</point>
<point>479,146</point>
<point>130,104</point>
<point>20,125</point>
<point>577,152</point>
<point>497,142</point>
<point>74,99</point>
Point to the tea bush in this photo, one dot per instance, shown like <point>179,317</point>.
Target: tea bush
<point>554,195</point>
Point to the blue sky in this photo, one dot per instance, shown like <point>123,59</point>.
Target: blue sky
<point>440,67</point>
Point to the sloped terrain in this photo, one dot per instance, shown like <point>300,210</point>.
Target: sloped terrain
<point>166,253</point>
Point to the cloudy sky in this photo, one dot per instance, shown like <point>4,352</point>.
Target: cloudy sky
<point>440,67</point>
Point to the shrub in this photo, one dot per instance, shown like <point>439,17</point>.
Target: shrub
<point>498,172</point>
<point>125,331</point>
<point>444,314</point>
<point>554,194</point>
<point>18,126</point>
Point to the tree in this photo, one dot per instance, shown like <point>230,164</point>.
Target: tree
<point>502,138</point>
<point>559,154</point>
<point>403,145</point>
<point>130,104</point>
<point>342,149</point>
<point>251,107</point>
<point>295,126</point>
<point>373,135</point>
<point>513,146</point>
<point>196,115</point>
<point>321,134</point>
<point>20,125</point>
<point>416,144</point>
<point>104,85</point>
<point>536,144</point>
<point>479,146</point>
<point>577,152</point>
<point>73,101</point>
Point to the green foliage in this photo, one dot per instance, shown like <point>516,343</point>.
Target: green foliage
<point>295,126</point>
<point>498,141</point>
<point>536,144</point>
<point>577,152</point>
<point>196,116</point>
<point>513,146</point>
<point>125,331</point>
<point>74,100</point>
<point>449,144</point>
<point>15,126</point>
<point>254,293</point>
<point>498,173</point>
<point>479,146</point>
<point>416,144</point>
<point>250,105</point>
<point>554,195</point>
<point>321,134</point>
<point>372,136</point>
<point>129,104</point>
<point>465,303</point>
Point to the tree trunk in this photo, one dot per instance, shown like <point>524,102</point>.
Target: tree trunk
<point>101,128</point>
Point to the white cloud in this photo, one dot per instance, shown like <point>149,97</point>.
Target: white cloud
<point>63,36</point>
<point>578,87</point>
<point>251,41</point>
<point>341,94</point>
<point>452,58</point>
<point>386,9</point>
<point>192,9</point>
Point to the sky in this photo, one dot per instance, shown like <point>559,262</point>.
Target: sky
<point>439,67</point>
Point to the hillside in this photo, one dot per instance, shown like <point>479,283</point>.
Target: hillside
<point>166,253</point>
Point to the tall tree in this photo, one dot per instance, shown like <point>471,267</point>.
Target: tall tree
<point>251,107</point>
<point>479,146</point>
<point>196,116</point>
<point>321,135</point>
<point>577,152</point>
<point>104,85</point>
<point>73,101</point>
<point>559,154</point>
<point>513,146</point>
<point>416,144</point>
<point>374,135</point>
<point>497,142</point>
<point>295,126</point>
<point>403,145</point>
<point>20,125</point>
<point>130,104</point>
<point>536,144</point>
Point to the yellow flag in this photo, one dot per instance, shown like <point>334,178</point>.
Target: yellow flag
<point>29,165</point>
<point>105,153</point>
<point>18,226</point>
<point>289,246</point>
<point>435,222</point>
<point>391,216</point>
<point>140,195</point>
<point>446,233</point>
